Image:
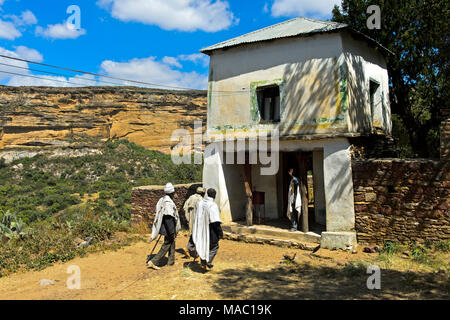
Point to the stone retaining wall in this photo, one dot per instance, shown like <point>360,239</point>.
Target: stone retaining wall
<point>144,200</point>
<point>401,200</point>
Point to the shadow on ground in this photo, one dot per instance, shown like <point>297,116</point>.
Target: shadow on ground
<point>194,266</point>
<point>304,281</point>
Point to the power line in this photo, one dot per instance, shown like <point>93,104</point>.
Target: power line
<point>109,77</point>
<point>30,76</point>
<point>62,81</point>
<point>90,73</point>
<point>57,74</point>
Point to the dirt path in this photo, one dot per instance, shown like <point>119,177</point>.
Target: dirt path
<point>242,271</point>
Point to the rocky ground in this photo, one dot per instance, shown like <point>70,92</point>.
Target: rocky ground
<point>241,271</point>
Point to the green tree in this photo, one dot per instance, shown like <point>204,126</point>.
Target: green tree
<point>416,31</point>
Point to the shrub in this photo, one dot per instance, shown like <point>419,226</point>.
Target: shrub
<point>12,227</point>
<point>98,229</point>
<point>390,248</point>
<point>418,252</point>
<point>443,246</point>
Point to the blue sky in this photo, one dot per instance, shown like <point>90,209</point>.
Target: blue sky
<point>156,41</point>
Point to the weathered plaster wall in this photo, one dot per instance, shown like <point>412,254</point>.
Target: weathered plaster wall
<point>401,200</point>
<point>365,63</point>
<point>268,185</point>
<point>307,70</point>
<point>320,77</point>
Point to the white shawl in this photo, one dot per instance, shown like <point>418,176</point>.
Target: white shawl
<point>165,206</point>
<point>190,209</point>
<point>298,200</point>
<point>207,212</point>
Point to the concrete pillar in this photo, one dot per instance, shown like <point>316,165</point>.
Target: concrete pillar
<point>339,199</point>
<point>213,177</point>
<point>319,188</point>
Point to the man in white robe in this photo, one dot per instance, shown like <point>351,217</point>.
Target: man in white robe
<point>207,229</point>
<point>190,209</point>
<point>294,201</point>
<point>166,223</point>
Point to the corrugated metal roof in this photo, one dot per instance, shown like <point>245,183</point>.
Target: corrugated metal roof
<point>289,28</point>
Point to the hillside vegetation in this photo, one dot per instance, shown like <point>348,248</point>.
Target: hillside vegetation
<point>47,203</point>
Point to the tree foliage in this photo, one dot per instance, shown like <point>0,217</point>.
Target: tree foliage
<point>416,31</point>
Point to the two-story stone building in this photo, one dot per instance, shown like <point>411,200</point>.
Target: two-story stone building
<point>318,84</point>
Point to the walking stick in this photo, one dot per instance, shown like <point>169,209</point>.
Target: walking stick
<point>149,256</point>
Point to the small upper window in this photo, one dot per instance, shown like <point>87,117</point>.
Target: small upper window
<point>269,103</point>
<point>374,96</point>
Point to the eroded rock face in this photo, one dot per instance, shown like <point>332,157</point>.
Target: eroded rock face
<point>33,117</point>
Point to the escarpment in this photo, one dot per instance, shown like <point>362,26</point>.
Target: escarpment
<point>36,118</point>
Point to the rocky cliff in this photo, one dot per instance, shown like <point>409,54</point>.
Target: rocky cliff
<point>46,117</point>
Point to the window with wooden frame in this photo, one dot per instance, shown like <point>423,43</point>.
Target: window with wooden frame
<point>269,103</point>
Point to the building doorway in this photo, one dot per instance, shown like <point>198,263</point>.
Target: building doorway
<point>308,167</point>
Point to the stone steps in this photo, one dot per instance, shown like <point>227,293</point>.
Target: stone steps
<point>272,232</point>
<point>267,235</point>
<point>285,243</point>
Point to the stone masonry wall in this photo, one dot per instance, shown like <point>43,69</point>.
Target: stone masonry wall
<point>401,200</point>
<point>144,201</point>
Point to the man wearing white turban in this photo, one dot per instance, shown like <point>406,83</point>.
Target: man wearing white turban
<point>166,223</point>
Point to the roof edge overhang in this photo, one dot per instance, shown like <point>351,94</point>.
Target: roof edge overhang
<point>354,32</point>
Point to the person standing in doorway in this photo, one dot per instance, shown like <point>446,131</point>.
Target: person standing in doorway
<point>190,209</point>
<point>166,223</point>
<point>294,200</point>
<point>207,229</point>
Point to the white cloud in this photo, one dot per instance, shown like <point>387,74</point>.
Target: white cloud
<point>44,81</point>
<point>152,71</point>
<point>306,8</point>
<point>196,58</point>
<point>183,15</point>
<point>63,30</point>
<point>29,54</point>
<point>26,18</point>
<point>171,61</point>
<point>8,30</point>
